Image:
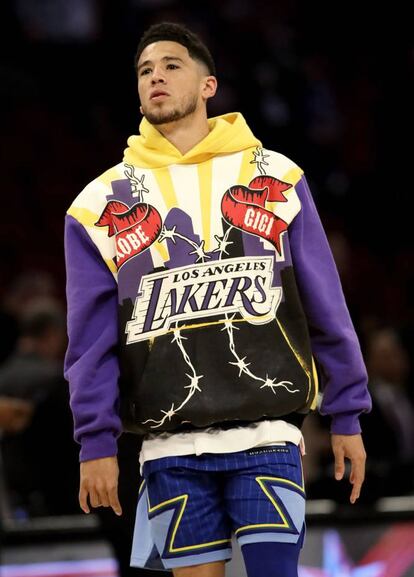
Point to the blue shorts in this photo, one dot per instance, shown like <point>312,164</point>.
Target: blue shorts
<point>190,506</point>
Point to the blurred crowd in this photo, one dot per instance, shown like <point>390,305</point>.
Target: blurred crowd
<point>330,89</point>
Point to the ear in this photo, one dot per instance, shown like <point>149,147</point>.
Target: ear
<point>209,87</point>
<point>141,110</point>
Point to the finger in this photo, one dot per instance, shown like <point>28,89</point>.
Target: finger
<point>339,465</point>
<point>83,500</point>
<point>114,501</point>
<point>102,494</point>
<point>104,499</point>
<point>356,478</point>
<point>356,491</point>
<point>94,498</point>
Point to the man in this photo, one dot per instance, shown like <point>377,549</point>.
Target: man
<point>209,251</point>
<point>391,470</point>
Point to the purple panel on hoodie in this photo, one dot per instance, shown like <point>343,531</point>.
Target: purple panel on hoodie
<point>333,338</point>
<point>91,362</point>
<point>122,192</point>
<point>181,249</point>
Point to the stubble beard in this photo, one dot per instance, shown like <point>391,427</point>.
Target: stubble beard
<point>157,118</point>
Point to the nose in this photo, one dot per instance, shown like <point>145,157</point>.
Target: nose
<point>157,76</point>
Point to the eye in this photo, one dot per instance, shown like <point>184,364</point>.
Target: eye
<point>172,66</point>
<point>145,71</point>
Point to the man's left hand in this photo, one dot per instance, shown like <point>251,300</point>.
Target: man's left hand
<point>350,447</point>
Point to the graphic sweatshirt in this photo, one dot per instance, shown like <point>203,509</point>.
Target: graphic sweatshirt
<point>202,292</point>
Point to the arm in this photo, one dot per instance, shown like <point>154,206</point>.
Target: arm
<point>333,338</point>
<point>91,365</point>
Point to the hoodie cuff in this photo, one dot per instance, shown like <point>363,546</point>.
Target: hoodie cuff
<point>98,446</point>
<point>346,424</point>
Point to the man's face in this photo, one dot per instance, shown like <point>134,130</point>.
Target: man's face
<point>170,82</point>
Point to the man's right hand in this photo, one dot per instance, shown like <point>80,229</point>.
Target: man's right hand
<point>99,482</point>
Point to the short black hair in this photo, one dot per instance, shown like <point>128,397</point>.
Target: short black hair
<point>174,32</point>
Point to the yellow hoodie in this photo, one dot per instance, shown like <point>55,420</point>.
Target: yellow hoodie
<point>228,133</point>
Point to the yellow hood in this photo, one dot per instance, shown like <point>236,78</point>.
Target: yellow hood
<point>150,149</point>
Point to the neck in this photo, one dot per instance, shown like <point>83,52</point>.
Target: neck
<point>185,133</point>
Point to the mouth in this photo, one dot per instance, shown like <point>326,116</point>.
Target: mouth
<point>159,95</point>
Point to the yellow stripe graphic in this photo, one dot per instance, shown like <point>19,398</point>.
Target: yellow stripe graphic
<point>162,249</point>
<point>294,351</point>
<point>83,215</point>
<point>205,170</point>
<point>141,487</point>
<point>292,176</point>
<point>110,175</point>
<point>316,381</point>
<point>212,323</point>
<point>111,265</point>
<point>304,366</point>
<point>165,183</point>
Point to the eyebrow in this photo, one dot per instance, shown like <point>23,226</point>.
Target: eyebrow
<point>164,58</point>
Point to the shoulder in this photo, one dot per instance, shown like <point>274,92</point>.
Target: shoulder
<point>281,166</point>
<point>91,201</point>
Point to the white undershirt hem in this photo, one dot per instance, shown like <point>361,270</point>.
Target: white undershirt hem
<point>213,440</point>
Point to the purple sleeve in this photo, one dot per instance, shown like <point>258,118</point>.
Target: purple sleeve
<point>333,339</point>
<point>91,363</point>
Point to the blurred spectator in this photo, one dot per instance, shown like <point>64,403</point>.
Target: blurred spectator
<point>389,428</point>
<point>40,462</point>
<point>25,289</point>
<point>15,416</point>
<point>40,456</point>
<point>57,20</point>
